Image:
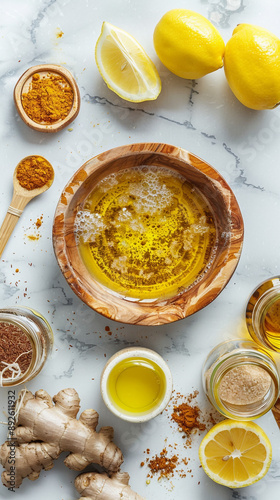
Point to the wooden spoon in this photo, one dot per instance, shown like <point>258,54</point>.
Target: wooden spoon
<point>21,197</point>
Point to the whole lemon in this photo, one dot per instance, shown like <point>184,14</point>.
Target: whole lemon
<point>252,66</point>
<point>188,44</point>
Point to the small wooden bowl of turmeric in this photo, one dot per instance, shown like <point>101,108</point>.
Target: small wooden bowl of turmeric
<point>47,97</point>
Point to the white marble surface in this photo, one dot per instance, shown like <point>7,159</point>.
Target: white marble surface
<point>202,116</point>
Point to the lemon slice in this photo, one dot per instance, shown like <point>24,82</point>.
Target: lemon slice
<point>235,454</point>
<point>125,66</point>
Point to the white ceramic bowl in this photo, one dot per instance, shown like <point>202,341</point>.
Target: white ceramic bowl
<point>134,352</point>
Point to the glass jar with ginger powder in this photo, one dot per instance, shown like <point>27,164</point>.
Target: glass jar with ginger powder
<point>240,380</point>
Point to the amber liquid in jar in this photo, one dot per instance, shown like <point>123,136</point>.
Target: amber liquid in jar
<point>263,314</point>
<point>146,233</point>
<point>272,324</point>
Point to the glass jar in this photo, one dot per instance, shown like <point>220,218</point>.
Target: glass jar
<point>263,314</point>
<point>38,332</point>
<point>240,380</point>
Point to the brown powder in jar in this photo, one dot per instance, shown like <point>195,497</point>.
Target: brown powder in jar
<point>244,384</point>
<point>15,347</point>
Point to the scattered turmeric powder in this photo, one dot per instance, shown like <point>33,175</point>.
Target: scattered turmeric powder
<point>38,222</point>
<point>34,172</point>
<point>59,33</point>
<point>163,465</point>
<point>187,418</point>
<point>190,421</point>
<point>49,98</point>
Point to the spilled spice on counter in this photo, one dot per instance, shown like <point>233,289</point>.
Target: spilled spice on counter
<point>187,418</point>
<point>15,351</point>
<point>39,222</point>
<point>35,235</point>
<point>190,420</point>
<point>163,465</point>
<point>59,33</point>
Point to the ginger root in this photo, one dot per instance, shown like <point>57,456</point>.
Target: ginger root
<point>94,486</point>
<point>44,430</point>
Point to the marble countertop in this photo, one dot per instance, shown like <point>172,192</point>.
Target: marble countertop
<point>201,116</point>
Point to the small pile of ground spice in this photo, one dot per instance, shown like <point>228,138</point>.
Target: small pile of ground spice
<point>162,465</point>
<point>39,222</point>
<point>34,172</point>
<point>187,418</point>
<point>49,98</point>
<point>15,351</point>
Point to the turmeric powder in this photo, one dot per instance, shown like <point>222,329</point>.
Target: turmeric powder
<point>49,98</point>
<point>187,418</point>
<point>34,172</point>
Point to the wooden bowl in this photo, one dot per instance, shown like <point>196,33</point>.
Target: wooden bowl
<point>23,84</point>
<point>229,230</point>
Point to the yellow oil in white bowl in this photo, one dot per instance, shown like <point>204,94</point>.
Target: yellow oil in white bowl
<point>136,384</point>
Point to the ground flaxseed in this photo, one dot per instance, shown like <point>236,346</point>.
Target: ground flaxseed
<point>15,347</point>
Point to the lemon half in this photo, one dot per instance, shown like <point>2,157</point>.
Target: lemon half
<point>252,66</point>
<point>235,454</point>
<point>188,44</point>
<point>125,66</point>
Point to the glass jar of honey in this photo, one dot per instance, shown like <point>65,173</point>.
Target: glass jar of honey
<point>263,314</point>
<point>241,380</point>
<point>26,340</point>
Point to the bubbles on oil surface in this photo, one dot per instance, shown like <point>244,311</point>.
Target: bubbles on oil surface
<point>144,230</point>
<point>150,195</point>
<point>88,225</point>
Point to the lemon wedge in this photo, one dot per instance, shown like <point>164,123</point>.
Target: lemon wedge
<point>125,66</point>
<point>235,454</point>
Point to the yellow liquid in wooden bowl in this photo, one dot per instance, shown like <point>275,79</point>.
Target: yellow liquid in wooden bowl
<point>146,233</point>
<point>136,385</point>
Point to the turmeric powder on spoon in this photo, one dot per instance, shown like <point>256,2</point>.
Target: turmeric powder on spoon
<point>34,172</point>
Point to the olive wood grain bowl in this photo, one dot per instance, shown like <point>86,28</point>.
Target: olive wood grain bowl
<point>229,233</point>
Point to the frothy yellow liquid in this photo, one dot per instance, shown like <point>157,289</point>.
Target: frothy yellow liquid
<point>146,233</point>
<point>136,385</point>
